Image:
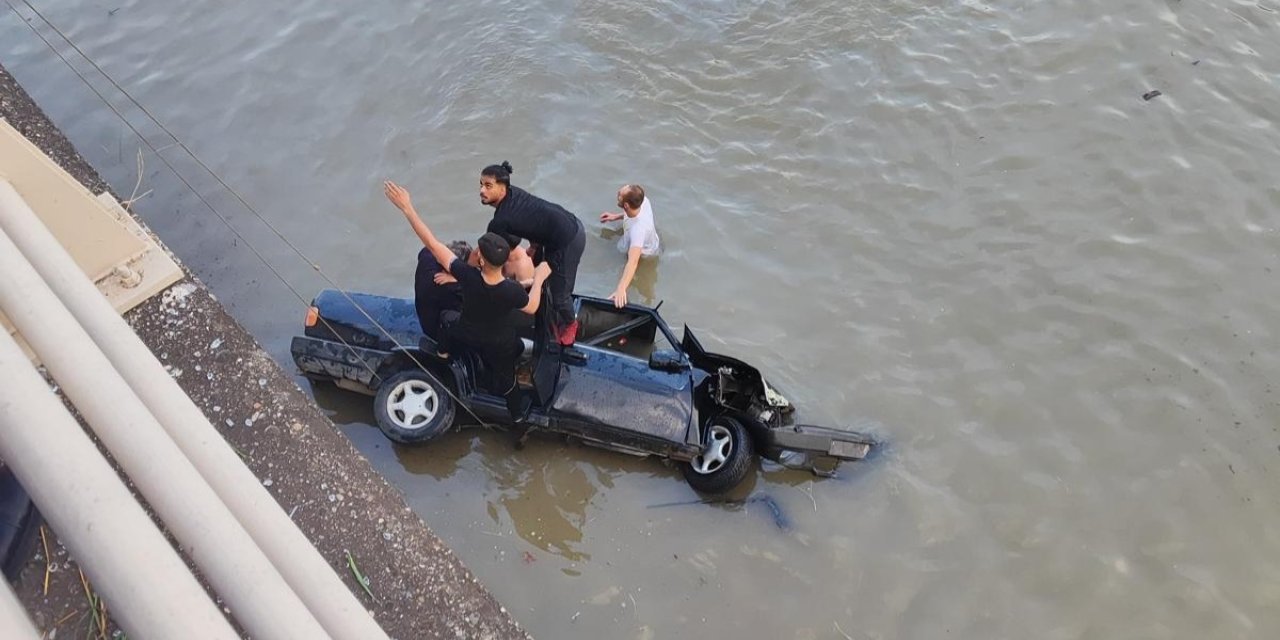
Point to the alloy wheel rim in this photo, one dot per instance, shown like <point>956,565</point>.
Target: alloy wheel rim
<point>413,404</point>
<point>716,454</point>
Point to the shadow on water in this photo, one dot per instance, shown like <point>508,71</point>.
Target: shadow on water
<point>344,408</point>
<point>765,503</point>
<point>546,499</point>
<point>545,491</point>
<point>542,499</point>
<point>438,458</point>
<point>542,492</point>
<point>741,498</point>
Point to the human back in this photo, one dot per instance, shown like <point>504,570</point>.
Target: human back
<point>527,216</point>
<point>488,297</point>
<point>641,231</point>
<point>430,298</point>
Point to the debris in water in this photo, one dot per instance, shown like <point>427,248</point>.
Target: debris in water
<point>1151,94</point>
<point>809,493</point>
<point>780,518</point>
<point>1195,63</point>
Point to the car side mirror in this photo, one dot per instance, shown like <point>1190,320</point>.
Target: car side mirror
<point>667,360</point>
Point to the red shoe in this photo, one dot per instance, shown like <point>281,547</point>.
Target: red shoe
<point>568,334</point>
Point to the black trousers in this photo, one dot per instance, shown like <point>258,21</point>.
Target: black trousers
<point>499,356</point>
<point>564,274</point>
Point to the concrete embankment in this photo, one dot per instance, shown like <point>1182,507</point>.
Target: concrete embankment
<point>419,588</point>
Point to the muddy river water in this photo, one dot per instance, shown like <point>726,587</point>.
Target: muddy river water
<point>956,225</point>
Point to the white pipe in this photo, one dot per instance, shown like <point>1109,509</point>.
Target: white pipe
<point>14,623</point>
<point>238,570</point>
<point>151,592</point>
<point>332,602</point>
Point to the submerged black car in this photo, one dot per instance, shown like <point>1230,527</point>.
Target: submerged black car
<point>627,385</point>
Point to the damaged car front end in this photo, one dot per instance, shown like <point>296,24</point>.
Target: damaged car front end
<point>733,386</point>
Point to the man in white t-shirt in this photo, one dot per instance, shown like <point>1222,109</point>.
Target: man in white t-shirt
<point>639,235</point>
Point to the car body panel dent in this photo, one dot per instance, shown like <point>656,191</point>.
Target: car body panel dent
<point>624,392</point>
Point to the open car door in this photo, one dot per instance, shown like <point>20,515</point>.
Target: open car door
<point>546,365</point>
<point>624,375</point>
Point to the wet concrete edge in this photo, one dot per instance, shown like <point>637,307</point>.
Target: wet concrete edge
<point>420,588</point>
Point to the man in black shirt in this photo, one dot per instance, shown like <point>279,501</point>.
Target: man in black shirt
<point>488,298</point>
<point>431,298</point>
<point>560,235</point>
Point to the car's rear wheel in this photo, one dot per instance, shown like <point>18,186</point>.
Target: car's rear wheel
<point>412,407</point>
<point>725,460</point>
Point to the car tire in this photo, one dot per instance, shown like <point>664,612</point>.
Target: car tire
<point>726,460</point>
<point>413,407</point>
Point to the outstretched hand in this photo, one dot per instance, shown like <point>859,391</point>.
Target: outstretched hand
<point>610,217</point>
<point>398,195</point>
<point>542,271</point>
<point>619,298</point>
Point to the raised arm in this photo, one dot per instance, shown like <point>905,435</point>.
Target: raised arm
<point>619,296</point>
<point>399,196</point>
<point>540,274</point>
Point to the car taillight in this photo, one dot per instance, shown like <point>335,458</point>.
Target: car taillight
<point>313,316</point>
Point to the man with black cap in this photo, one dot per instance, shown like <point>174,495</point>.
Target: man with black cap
<point>488,298</point>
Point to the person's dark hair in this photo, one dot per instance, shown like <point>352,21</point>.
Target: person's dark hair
<point>461,248</point>
<point>494,249</point>
<point>633,195</point>
<point>500,172</point>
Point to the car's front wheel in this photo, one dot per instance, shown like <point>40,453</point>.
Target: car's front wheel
<point>412,407</point>
<point>726,457</point>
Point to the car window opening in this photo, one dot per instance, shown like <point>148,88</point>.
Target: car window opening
<point>624,331</point>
